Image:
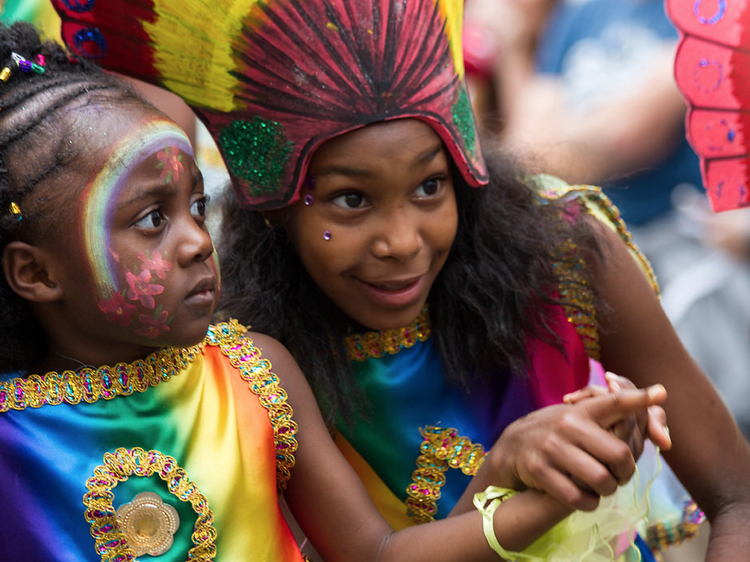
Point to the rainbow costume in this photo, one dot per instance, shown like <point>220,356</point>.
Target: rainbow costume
<point>275,79</point>
<point>179,455</point>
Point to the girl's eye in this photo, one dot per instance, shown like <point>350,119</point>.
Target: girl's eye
<point>198,207</point>
<point>349,200</point>
<point>152,220</point>
<point>429,188</point>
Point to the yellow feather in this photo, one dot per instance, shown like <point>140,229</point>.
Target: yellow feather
<point>195,40</point>
<point>453,10</point>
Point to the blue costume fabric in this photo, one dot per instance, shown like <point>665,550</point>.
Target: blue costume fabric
<point>599,48</point>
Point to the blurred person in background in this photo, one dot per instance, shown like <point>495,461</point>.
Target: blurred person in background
<point>584,90</point>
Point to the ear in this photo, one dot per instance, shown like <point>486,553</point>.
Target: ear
<point>26,269</point>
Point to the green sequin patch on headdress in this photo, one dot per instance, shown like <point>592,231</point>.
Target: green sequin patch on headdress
<point>257,152</point>
<point>463,117</point>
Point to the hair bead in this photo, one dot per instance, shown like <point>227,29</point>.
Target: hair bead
<point>14,209</point>
<point>26,65</point>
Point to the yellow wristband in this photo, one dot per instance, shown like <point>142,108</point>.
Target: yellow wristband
<point>487,502</point>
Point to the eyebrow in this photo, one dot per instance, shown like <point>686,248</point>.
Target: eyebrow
<point>157,189</point>
<point>425,158</point>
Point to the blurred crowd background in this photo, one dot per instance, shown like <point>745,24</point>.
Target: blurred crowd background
<point>584,90</point>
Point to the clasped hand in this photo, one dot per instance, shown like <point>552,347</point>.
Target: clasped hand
<point>585,448</point>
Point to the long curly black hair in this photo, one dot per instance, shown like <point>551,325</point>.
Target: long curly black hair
<point>492,294</point>
<point>36,144</point>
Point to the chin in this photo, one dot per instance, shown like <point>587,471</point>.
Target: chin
<point>187,336</point>
<point>390,320</point>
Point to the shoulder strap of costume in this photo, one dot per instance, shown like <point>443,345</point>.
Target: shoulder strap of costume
<point>577,301</point>
<point>256,371</point>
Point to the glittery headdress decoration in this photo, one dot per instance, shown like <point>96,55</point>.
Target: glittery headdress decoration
<point>712,68</point>
<point>274,79</point>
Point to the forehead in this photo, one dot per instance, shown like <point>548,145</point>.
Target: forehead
<point>151,145</point>
<point>126,131</point>
<point>397,140</point>
<point>117,140</point>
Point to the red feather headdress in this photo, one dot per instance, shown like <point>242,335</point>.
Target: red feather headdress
<point>274,79</point>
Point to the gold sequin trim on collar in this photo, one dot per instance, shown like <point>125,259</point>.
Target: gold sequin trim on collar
<point>111,542</point>
<point>441,449</point>
<point>362,347</point>
<point>90,385</point>
<point>265,385</point>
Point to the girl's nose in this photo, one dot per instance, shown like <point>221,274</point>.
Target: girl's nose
<point>196,244</point>
<point>399,237</point>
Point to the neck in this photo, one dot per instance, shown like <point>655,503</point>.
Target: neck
<point>59,360</point>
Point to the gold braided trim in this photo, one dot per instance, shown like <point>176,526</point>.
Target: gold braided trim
<point>362,347</point>
<point>256,371</point>
<point>90,385</point>
<point>659,536</point>
<point>440,450</point>
<point>111,542</point>
<point>604,204</point>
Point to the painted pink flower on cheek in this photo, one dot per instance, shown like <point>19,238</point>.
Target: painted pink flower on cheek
<point>140,289</point>
<point>117,310</point>
<point>153,327</point>
<point>170,163</point>
<point>155,264</point>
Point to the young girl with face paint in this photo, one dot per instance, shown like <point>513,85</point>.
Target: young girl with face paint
<point>151,431</point>
<point>435,302</point>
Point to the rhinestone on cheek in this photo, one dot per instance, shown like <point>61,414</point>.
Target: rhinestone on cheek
<point>327,235</point>
<point>309,199</point>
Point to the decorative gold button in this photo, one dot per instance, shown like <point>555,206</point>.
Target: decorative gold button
<point>148,524</point>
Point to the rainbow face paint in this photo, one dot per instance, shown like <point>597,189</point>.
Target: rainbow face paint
<point>100,197</point>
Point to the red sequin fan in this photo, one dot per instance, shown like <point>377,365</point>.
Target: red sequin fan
<point>712,68</point>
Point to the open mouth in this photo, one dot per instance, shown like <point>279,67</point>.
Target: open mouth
<point>393,286</point>
<point>396,293</point>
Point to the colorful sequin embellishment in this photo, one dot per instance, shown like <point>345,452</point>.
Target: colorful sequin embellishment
<point>111,542</point>
<point>90,43</point>
<point>441,449</point>
<point>577,300</point>
<point>463,117</point>
<point>90,385</point>
<point>659,537</point>
<point>257,152</point>
<point>360,347</point>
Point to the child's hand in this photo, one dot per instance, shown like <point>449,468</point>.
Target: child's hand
<point>632,429</point>
<point>569,450</point>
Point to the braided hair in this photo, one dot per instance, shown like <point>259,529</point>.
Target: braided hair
<point>36,143</point>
